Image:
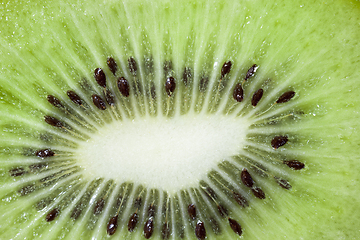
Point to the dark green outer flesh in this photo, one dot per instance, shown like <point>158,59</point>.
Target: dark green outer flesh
<point>313,44</point>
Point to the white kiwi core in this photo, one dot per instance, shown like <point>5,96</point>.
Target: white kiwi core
<point>168,154</point>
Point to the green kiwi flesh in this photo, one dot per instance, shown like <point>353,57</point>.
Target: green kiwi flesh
<point>189,120</point>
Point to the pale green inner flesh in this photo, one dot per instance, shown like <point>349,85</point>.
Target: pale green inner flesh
<point>311,48</point>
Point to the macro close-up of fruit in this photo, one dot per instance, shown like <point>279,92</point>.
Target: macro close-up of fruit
<point>179,119</point>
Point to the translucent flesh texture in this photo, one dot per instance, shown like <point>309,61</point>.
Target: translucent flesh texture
<point>311,48</point>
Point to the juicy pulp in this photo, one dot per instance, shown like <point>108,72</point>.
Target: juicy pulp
<point>311,47</point>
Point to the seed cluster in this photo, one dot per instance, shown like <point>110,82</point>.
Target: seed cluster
<point>199,212</point>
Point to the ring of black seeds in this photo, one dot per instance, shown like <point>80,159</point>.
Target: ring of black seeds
<point>149,224</point>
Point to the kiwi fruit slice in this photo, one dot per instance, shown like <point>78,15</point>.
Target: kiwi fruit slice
<point>179,120</point>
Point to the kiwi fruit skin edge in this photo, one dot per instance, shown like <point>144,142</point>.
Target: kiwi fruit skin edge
<point>309,47</point>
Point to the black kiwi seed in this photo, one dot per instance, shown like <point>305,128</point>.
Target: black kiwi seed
<point>192,211</point>
<point>123,86</point>
<point>74,97</point>
<point>132,222</point>
<point>54,101</point>
<point>279,141</point>
<point>170,85</point>
<point>251,72</point>
<point>222,210</point>
<point>187,75</point>
<point>165,232</point>
<point>238,93</point>
<point>294,164</point>
<point>149,228</point>
<point>99,206</point>
<point>240,199</point>
<point>112,65</point>
<point>283,183</point>
<point>43,153</point>
<point>235,226</point>
<point>100,77</point>
<point>200,231</point>
<point>258,192</point>
<point>112,225</point>
<point>257,97</point>
<point>132,65</point>
<point>98,102</point>
<point>52,215</point>
<point>226,68</point>
<point>53,122</point>
<point>246,178</point>
<point>286,97</point>
<point>15,172</point>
